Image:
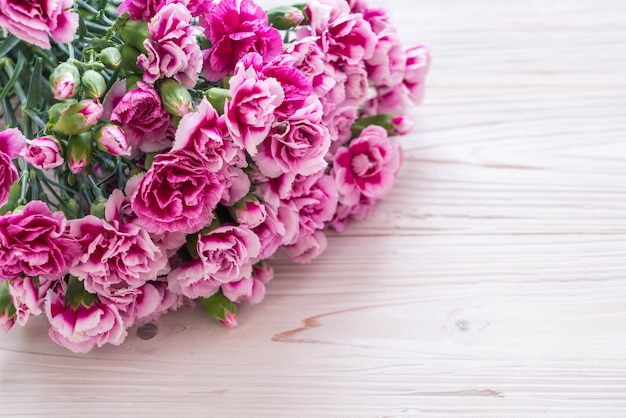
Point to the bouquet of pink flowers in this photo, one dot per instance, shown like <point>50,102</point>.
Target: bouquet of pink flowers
<point>159,152</point>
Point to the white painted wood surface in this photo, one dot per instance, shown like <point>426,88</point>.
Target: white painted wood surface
<point>490,283</point>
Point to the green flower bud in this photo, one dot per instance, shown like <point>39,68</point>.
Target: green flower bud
<point>15,192</point>
<point>79,117</point>
<point>97,208</point>
<point>217,97</point>
<point>64,81</point>
<point>285,17</point>
<point>77,295</point>
<point>134,32</point>
<point>129,59</point>
<point>70,207</point>
<point>111,57</point>
<point>94,84</point>
<point>176,98</point>
<point>219,308</point>
<point>131,82</point>
<point>78,152</point>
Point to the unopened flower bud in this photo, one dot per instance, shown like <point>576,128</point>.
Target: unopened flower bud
<point>97,207</point>
<point>7,309</point>
<point>221,309</point>
<point>44,153</point>
<point>76,294</point>
<point>13,198</point>
<point>129,58</point>
<point>112,139</point>
<point>217,97</point>
<point>401,125</point>
<point>134,32</point>
<point>71,208</point>
<point>176,98</point>
<point>78,152</point>
<point>94,84</point>
<point>249,212</point>
<point>79,117</point>
<point>285,17</point>
<point>64,81</point>
<point>111,57</point>
<point>131,82</point>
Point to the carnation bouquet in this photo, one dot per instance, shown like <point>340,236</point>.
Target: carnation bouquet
<point>158,153</point>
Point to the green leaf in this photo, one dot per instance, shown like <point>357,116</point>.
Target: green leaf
<point>8,44</point>
<point>77,295</point>
<point>217,306</point>
<point>82,28</point>
<point>16,73</point>
<point>34,88</point>
<point>5,297</point>
<point>9,116</point>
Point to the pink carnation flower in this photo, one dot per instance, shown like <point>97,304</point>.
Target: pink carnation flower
<point>368,166</point>
<point>236,28</point>
<point>178,194</point>
<point>270,232</point>
<point>307,247</point>
<point>115,257</point>
<point>139,9</point>
<point>82,328</point>
<point>248,289</point>
<point>191,281</point>
<point>173,50</point>
<point>35,243</point>
<point>417,66</point>
<point>227,252</point>
<point>43,153</point>
<point>387,66</point>
<point>26,298</point>
<point>250,112</point>
<point>141,114</point>
<point>32,21</point>
<point>12,142</point>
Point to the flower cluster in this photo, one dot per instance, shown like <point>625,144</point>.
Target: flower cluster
<point>172,147</point>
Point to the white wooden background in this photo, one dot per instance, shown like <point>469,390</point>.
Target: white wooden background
<point>490,283</point>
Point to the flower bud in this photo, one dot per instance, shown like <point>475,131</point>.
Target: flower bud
<point>111,57</point>
<point>384,121</point>
<point>97,207</point>
<point>78,152</point>
<point>285,17</point>
<point>70,207</point>
<point>15,192</point>
<point>64,81</point>
<point>94,84</point>
<point>76,294</point>
<point>112,139</point>
<point>134,32</point>
<point>219,308</point>
<point>44,153</point>
<point>217,97</point>
<point>79,117</point>
<point>248,211</point>
<point>176,98</point>
<point>131,82</point>
<point>129,59</point>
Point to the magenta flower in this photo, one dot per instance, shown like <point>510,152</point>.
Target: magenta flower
<point>44,153</point>
<point>32,21</point>
<point>236,185</point>
<point>178,194</point>
<point>12,142</point>
<point>387,65</point>
<point>227,252</point>
<point>115,257</point>
<point>250,112</point>
<point>358,211</point>
<point>35,243</point>
<point>368,166</point>
<point>80,329</point>
<point>139,9</point>
<point>141,114</point>
<point>249,212</point>
<point>236,28</point>
<point>173,50</point>
<point>296,86</point>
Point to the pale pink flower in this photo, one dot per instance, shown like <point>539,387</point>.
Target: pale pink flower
<point>12,142</point>
<point>44,153</point>
<point>190,280</point>
<point>388,64</point>
<point>80,329</point>
<point>270,232</point>
<point>388,100</point>
<point>26,298</point>
<point>339,122</point>
<point>141,114</point>
<point>355,85</point>
<point>358,211</point>
<point>247,289</point>
<point>173,50</point>
<point>203,132</point>
<point>32,21</point>
<point>6,322</point>
<point>379,20</point>
<point>368,166</point>
<point>227,252</point>
<point>178,194</point>
<point>250,112</point>
<point>115,257</point>
<point>35,243</point>
<point>315,203</point>
<point>235,28</point>
<point>236,185</point>
<point>307,247</point>
<point>417,66</point>
<point>296,145</point>
<point>401,125</point>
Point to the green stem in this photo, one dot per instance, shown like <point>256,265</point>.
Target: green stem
<point>55,194</point>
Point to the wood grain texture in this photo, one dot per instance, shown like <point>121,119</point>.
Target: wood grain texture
<point>490,283</point>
